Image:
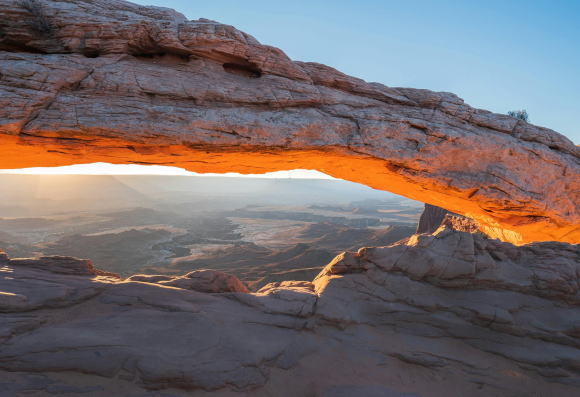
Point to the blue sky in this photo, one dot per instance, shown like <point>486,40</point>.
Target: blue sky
<point>497,55</point>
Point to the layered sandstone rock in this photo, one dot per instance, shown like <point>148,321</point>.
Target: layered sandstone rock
<point>205,280</point>
<point>434,217</point>
<point>447,314</point>
<point>59,264</point>
<point>106,80</point>
<point>431,219</point>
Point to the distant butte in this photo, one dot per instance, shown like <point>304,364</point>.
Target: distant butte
<point>85,81</point>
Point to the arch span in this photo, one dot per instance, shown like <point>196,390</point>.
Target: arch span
<point>162,90</point>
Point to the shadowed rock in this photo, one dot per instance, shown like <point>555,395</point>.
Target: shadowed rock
<point>434,217</point>
<point>431,219</point>
<point>114,81</point>
<point>451,313</point>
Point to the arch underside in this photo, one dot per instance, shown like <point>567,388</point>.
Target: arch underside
<point>19,152</point>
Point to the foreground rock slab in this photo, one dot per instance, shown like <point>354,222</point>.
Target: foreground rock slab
<point>447,314</point>
<point>84,81</point>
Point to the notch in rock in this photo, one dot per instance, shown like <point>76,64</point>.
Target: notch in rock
<point>91,52</point>
<point>243,69</point>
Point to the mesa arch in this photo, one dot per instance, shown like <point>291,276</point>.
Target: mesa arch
<point>111,81</point>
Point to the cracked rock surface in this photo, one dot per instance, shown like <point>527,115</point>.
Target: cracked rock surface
<point>106,80</point>
<point>451,313</point>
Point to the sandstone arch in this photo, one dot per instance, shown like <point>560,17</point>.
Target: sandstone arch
<point>116,82</point>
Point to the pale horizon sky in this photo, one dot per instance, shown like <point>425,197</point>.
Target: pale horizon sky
<point>135,169</point>
<point>496,55</point>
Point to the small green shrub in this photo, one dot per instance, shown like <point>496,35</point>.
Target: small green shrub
<point>519,114</point>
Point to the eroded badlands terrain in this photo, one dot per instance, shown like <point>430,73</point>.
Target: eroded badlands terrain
<point>260,230</point>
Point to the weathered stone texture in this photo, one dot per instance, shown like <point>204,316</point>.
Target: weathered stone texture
<point>107,80</point>
<point>447,314</point>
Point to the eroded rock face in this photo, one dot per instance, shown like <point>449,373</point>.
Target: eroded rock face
<point>58,264</point>
<point>434,217</point>
<point>447,314</point>
<point>84,81</point>
<point>431,219</point>
<point>205,280</point>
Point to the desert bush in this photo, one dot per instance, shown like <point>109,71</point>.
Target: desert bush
<point>519,114</point>
<point>40,23</point>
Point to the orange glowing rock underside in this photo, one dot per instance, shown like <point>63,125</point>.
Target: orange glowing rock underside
<point>145,85</point>
<point>17,152</point>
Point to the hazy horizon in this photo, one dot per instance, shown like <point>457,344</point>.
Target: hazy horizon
<point>260,229</point>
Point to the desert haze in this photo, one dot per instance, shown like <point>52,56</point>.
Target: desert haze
<point>261,230</point>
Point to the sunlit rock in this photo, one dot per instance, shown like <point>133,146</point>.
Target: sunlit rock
<point>205,280</point>
<point>112,81</point>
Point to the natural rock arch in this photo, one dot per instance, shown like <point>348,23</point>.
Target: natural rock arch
<point>116,82</point>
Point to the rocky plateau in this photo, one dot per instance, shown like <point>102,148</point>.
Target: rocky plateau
<point>451,313</point>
